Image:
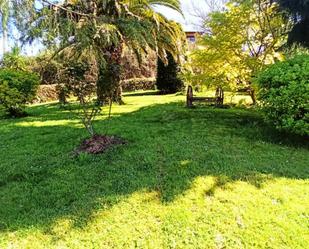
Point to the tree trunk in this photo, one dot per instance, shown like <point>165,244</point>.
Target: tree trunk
<point>252,95</point>
<point>62,95</point>
<point>190,97</point>
<point>4,41</point>
<point>219,96</point>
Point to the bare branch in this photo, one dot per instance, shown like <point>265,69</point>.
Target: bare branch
<point>60,6</point>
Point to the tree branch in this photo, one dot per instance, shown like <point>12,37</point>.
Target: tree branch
<point>66,9</point>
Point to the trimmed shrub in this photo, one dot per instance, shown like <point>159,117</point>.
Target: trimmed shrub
<point>16,89</point>
<point>51,92</point>
<point>138,84</point>
<point>284,94</point>
<point>168,80</point>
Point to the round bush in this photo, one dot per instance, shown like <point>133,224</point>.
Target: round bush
<point>16,89</point>
<point>284,94</point>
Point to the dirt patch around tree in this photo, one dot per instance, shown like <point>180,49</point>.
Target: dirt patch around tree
<point>99,144</point>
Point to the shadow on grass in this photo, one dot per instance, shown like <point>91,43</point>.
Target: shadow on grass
<point>169,146</point>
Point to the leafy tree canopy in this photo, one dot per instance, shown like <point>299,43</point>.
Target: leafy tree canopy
<point>239,42</point>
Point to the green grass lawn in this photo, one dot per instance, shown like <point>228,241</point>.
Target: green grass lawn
<point>199,178</point>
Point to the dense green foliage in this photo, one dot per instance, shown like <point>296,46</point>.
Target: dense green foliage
<point>191,179</point>
<point>168,79</point>
<point>284,94</point>
<point>48,69</point>
<point>15,60</point>
<point>16,89</point>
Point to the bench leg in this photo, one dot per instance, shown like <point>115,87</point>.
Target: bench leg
<point>190,97</point>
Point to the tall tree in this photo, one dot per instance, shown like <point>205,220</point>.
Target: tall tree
<point>239,42</point>
<point>103,28</point>
<point>168,80</point>
<point>299,10</point>
<point>5,13</point>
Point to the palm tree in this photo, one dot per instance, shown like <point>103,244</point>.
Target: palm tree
<point>104,28</point>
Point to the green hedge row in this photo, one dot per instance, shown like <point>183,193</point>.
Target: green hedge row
<point>139,84</point>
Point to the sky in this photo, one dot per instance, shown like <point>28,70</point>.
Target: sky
<point>190,22</point>
<point>192,9</point>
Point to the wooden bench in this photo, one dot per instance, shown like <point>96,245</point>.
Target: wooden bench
<point>218,100</point>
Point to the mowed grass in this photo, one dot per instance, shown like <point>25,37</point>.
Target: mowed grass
<point>198,178</point>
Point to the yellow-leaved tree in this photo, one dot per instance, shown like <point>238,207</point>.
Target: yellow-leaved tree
<point>239,41</point>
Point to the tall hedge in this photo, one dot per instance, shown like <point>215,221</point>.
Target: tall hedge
<point>168,80</point>
<point>284,94</point>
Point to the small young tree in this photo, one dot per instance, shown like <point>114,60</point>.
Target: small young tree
<point>168,80</point>
<point>50,68</point>
<point>81,77</point>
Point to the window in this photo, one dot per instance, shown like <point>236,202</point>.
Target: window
<point>191,39</point>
